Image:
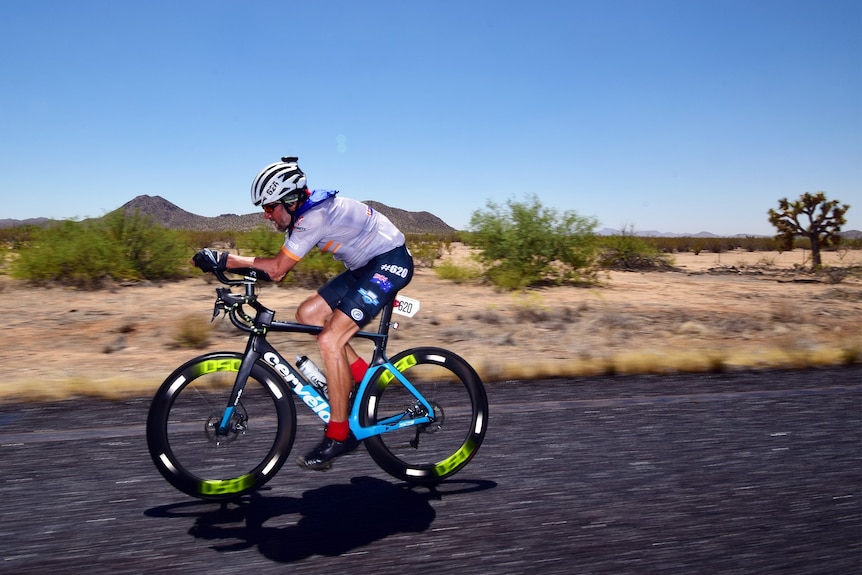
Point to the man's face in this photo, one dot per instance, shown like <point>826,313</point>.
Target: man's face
<point>279,214</point>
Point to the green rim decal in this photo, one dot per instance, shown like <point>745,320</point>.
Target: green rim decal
<point>404,363</point>
<point>451,463</point>
<point>213,365</point>
<point>225,486</point>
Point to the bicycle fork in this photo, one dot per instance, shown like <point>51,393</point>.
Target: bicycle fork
<point>249,358</point>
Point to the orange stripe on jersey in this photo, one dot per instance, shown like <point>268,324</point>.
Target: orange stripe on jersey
<point>331,248</point>
<point>292,256</point>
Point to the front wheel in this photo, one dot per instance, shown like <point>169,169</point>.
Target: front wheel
<point>427,453</point>
<point>184,419</point>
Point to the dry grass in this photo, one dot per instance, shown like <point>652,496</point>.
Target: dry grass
<point>192,333</point>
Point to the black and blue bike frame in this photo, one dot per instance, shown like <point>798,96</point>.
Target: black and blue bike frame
<point>259,349</point>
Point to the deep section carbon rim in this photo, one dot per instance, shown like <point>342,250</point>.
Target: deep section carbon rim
<point>184,439</point>
<point>427,453</point>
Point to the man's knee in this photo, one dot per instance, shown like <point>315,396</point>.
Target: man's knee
<point>302,315</point>
<point>313,311</point>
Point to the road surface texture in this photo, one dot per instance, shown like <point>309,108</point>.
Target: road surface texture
<point>727,473</point>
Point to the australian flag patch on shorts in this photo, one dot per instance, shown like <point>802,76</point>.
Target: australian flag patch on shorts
<point>383,282</point>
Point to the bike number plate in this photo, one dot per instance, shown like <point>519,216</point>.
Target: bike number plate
<point>405,306</point>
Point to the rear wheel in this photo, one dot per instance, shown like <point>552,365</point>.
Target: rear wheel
<point>183,428</point>
<point>427,453</point>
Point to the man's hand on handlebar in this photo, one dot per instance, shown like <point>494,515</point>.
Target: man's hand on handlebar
<point>210,261</point>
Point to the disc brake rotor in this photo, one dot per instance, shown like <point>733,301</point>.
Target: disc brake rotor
<point>437,424</point>
<point>237,426</point>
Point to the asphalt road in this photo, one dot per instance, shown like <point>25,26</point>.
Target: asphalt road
<point>735,473</point>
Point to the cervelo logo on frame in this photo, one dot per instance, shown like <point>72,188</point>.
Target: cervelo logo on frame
<point>305,392</point>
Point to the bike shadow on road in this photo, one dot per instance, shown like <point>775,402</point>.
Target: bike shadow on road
<point>329,521</point>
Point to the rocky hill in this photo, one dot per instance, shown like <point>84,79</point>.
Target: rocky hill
<point>174,217</point>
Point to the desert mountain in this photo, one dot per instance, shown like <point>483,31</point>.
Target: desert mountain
<point>174,217</point>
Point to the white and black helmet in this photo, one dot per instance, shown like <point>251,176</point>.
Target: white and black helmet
<point>280,182</point>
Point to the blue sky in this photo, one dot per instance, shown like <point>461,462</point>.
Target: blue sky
<point>671,115</point>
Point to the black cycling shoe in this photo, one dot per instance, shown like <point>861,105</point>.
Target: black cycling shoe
<point>320,458</point>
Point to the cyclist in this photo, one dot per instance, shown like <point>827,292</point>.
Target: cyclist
<point>378,266</point>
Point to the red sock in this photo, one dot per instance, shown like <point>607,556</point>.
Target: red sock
<point>338,430</point>
<point>358,369</point>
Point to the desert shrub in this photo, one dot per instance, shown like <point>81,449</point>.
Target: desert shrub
<point>17,237</point>
<point>192,332</point>
<point>427,248</point>
<point>69,252</point>
<point>150,250</point>
<point>851,355</point>
<point>261,241</point>
<point>524,244</point>
<point>458,273</point>
<point>118,246</point>
<point>716,245</point>
<point>673,244</point>
<point>764,262</point>
<point>4,254</point>
<point>757,244</point>
<point>210,238</point>
<point>834,275</point>
<point>626,251</point>
<point>531,308</point>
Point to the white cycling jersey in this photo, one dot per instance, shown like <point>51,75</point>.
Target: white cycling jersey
<point>351,231</point>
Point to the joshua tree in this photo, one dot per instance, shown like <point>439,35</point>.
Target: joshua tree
<point>821,221</point>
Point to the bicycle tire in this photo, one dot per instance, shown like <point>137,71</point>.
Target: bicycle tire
<point>185,413</point>
<point>429,453</point>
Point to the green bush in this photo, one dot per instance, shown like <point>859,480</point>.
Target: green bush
<point>18,236</point>
<point>71,253</point>
<point>626,251</point>
<point>458,274</point>
<point>261,241</point>
<point>427,248</point>
<point>525,244</point>
<point>149,250</point>
<point>117,247</point>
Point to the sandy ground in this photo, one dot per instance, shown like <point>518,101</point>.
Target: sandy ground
<point>736,310</point>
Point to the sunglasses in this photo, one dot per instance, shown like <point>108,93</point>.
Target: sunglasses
<point>269,208</point>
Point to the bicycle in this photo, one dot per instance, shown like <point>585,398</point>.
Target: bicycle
<point>222,424</point>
